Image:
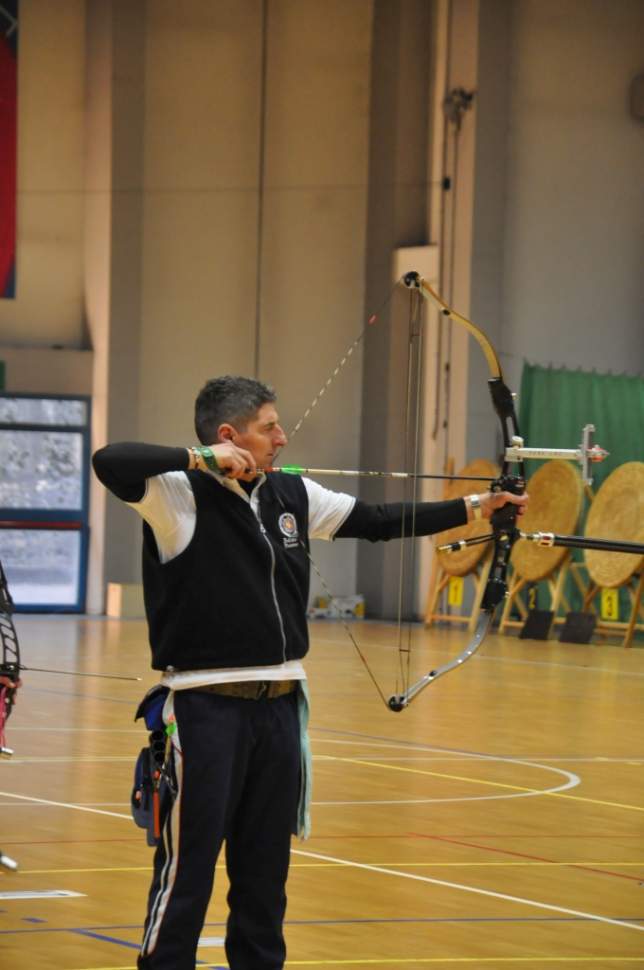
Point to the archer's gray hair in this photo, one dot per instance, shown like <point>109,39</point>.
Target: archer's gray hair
<point>230,400</point>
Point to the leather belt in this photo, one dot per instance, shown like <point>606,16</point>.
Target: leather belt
<point>253,690</point>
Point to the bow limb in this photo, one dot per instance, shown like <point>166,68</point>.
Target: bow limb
<point>414,281</point>
<point>10,660</point>
<point>495,590</point>
<point>397,702</point>
<point>9,679</point>
<point>502,397</point>
<point>11,665</point>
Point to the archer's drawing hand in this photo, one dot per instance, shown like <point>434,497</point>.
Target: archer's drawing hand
<point>233,462</point>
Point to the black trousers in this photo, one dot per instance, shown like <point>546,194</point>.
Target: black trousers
<point>237,764</point>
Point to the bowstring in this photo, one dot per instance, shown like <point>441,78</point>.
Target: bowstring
<point>371,320</point>
<point>411,433</point>
<point>347,628</point>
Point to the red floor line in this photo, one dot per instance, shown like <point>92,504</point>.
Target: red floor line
<point>68,841</point>
<point>478,835</point>
<point>524,855</point>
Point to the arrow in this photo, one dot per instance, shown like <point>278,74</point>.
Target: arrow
<point>77,673</point>
<point>356,473</point>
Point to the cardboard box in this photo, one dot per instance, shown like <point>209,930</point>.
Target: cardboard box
<point>337,607</point>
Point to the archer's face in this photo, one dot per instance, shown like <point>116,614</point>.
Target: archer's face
<point>262,436</point>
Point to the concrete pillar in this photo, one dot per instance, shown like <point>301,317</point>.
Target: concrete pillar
<point>397,216</point>
<point>112,263</point>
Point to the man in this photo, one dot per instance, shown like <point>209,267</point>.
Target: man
<point>226,580</point>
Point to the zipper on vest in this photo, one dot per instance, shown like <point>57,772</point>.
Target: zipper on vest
<point>273,590</point>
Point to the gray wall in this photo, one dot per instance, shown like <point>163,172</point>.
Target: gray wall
<point>573,284</point>
<point>398,200</point>
<point>558,237</point>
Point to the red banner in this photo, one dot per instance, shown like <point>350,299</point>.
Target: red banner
<point>8,141</point>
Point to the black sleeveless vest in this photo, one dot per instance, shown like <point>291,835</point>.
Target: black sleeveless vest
<point>237,595</point>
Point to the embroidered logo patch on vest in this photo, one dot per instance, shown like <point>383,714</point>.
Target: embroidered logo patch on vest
<point>288,528</point>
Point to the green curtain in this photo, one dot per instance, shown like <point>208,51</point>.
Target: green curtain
<point>556,403</point>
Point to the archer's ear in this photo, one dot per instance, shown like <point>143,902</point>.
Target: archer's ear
<point>225,432</point>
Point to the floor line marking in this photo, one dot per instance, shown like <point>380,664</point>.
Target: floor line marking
<point>69,872</point>
<point>77,808</point>
<point>558,793</point>
<point>70,759</point>
<point>522,661</point>
<point>398,961</point>
<point>411,865</point>
<point>441,754</point>
<point>470,889</point>
<point>73,730</point>
<point>383,961</point>
<point>537,860</point>
<point>357,921</point>
<point>396,872</point>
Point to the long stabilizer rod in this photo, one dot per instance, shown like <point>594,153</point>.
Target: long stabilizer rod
<point>553,539</point>
<point>583,542</point>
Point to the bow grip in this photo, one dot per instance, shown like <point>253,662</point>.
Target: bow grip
<point>505,518</point>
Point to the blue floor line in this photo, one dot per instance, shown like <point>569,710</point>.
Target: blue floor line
<point>96,931</point>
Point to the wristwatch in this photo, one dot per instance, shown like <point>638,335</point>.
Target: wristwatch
<point>475,505</point>
<point>208,456</point>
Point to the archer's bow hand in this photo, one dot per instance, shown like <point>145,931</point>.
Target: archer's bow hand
<point>10,682</point>
<point>491,501</point>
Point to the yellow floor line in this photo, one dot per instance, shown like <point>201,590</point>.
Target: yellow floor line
<point>399,961</point>
<point>493,784</point>
<point>341,865</point>
<point>392,961</point>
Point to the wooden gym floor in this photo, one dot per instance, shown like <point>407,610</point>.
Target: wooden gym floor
<point>498,822</point>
